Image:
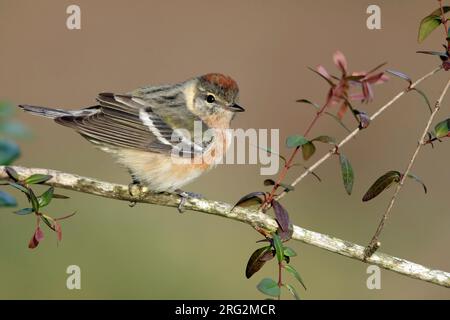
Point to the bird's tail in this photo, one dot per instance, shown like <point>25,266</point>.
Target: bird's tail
<point>44,111</point>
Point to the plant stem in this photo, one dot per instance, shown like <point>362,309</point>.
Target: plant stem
<point>288,164</point>
<point>445,24</point>
<point>356,131</point>
<point>374,244</point>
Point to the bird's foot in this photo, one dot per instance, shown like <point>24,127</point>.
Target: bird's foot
<point>135,189</point>
<point>184,196</point>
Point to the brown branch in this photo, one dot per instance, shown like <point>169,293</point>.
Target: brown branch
<point>254,218</point>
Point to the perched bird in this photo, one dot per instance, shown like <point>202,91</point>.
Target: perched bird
<point>166,136</point>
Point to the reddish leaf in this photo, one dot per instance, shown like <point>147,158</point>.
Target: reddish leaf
<point>340,61</point>
<point>281,215</point>
<point>364,119</point>
<point>255,263</point>
<point>324,74</point>
<point>269,255</point>
<point>286,235</point>
<point>38,234</point>
<point>58,230</point>
<point>37,237</point>
<point>342,109</point>
<point>377,78</point>
<point>33,243</point>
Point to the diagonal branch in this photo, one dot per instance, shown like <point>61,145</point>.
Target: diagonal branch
<point>356,131</point>
<point>374,244</point>
<point>254,218</point>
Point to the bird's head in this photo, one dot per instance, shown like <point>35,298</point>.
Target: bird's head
<point>216,99</point>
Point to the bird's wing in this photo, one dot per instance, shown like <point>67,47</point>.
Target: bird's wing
<point>132,122</point>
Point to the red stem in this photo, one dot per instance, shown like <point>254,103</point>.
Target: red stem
<point>288,163</point>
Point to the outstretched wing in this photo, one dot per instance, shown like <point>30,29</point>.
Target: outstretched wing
<point>130,122</point>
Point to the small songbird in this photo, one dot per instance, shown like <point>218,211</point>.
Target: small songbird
<point>154,131</point>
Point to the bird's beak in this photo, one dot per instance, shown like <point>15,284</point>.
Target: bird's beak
<point>236,108</point>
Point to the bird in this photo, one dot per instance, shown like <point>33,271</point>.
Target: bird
<point>165,135</point>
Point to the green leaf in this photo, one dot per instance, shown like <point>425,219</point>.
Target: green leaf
<point>9,151</point>
<point>251,199</point>
<point>255,263</point>
<point>296,141</point>
<point>416,178</point>
<point>48,221</point>
<point>46,197</point>
<point>442,129</point>
<point>431,22</point>
<point>308,150</point>
<point>382,183</point>
<point>294,272</point>
<point>425,98</point>
<point>60,196</point>
<point>6,109</point>
<point>427,26</point>
<point>15,129</point>
<point>24,211</point>
<point>289,252</point>
<point>278,247</point>
<point>19,187</point>
<point>438,11</point>
<point>12,174</point>
<point>292,291</point>
<point>37,178</point>
<point>33,200</point>
<point>347,173</point>
<point>7,200</point>
<point>325,139</point>
<point>269,287</point>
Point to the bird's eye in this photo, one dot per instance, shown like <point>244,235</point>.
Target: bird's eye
<point>210,98</point>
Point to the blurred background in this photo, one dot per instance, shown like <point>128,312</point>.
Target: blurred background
<point>151,252</point>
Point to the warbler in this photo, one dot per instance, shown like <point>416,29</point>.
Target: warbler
<point>153,130</point>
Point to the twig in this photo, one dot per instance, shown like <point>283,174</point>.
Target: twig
<point>444,24</point>
<point>356,131</point>
<point>251,217</point>
<point>374,244</point>
<point>291,159</point>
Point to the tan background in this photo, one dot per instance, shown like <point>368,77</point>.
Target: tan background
<point>152,252</point>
